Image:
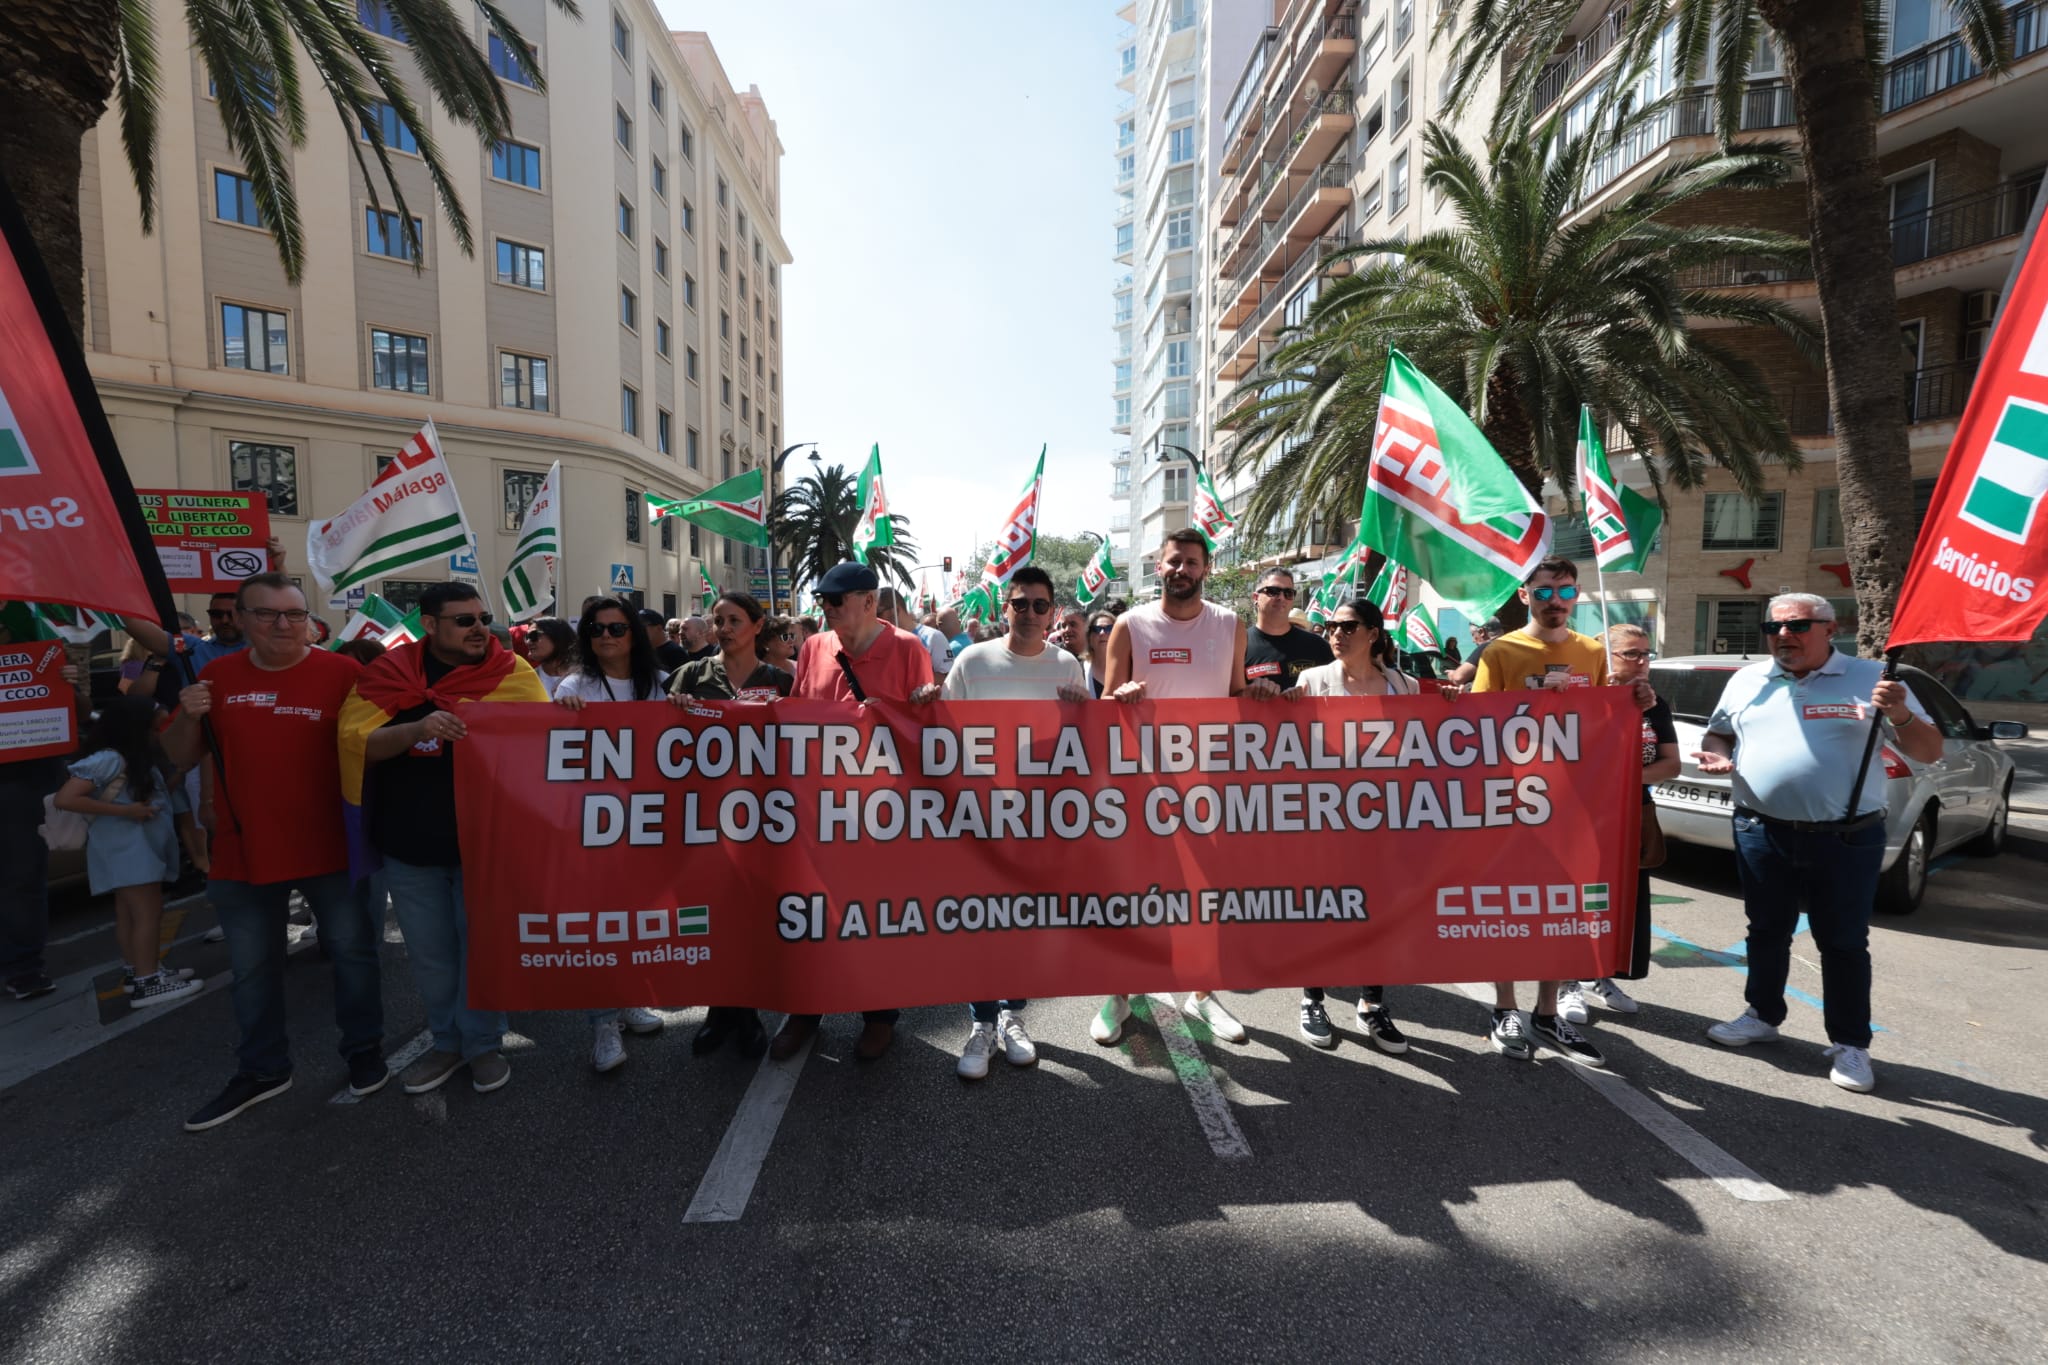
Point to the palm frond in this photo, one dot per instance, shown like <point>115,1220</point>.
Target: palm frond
<point>137,89</point>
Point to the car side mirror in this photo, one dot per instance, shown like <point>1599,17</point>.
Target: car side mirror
<point>2006,729</point>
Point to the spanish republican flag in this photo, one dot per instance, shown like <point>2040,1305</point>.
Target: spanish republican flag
<point>396,682</point>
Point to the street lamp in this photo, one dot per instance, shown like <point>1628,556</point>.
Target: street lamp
<point>1166,446</point>
<point>774,471</point>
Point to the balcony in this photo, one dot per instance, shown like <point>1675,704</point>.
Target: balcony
<point>1320,200</point>
<point>1119,521</point>
<point>1321,55</point>
<point>1315,131</point>
<point>1946,63</point>
<point>1745,271</point>
<point>1564,73</point>
<point>1121,457</point>
<point>1765,105</point>
<point>1120,487</point>
<point>1244,100</point>
<point>1185,109</point>
<point>1971,220</point>
<point>1937,393</point>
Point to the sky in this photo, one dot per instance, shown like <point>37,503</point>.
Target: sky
<point>946,179</point>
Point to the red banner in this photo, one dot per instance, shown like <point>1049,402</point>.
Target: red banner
<point>38,714</point>
<point>207,541</point>
<point>816,857</point>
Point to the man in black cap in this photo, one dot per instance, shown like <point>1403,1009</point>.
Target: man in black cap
<point>858,657</point>
<point>1482,634</point>
<point>668,653</point>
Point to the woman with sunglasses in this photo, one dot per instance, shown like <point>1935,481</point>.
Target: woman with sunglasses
<point>737,672</point>
<point>615,662</point>
<point>1099,627</point>
<point>551,649</point>
<point>1363,667</point>
<point>777,643</point>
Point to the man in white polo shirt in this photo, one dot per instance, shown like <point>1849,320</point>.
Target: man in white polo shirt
<point>1791,731</point>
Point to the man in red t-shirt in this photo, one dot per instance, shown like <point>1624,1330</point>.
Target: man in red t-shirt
<point>277,825</point>
<point>858,657</point>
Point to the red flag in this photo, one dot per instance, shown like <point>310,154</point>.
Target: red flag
<point>69,521</point>
<point>1980,569</point>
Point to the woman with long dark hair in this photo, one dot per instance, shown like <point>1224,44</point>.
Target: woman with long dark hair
<point>1097,657</point>
<point>777,643</point>
<point>551,649</point>
<point>735,673</point>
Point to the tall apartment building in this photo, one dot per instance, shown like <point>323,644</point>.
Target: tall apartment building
<point>622,313</point>
<point>1169,62</point>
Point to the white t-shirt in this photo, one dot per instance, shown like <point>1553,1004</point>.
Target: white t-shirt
<point>989,671</point>
<point>1327,680</point>
<point>581,684</point>
<point>939,647</point>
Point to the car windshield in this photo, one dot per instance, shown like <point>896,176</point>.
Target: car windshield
<point>1692,693</point>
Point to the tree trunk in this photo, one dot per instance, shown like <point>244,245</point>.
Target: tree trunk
<point>1508,430</point>
<point>56,72</point>
<point>1834,91</point>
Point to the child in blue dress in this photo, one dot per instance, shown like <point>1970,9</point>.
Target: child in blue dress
<point>131,846</point>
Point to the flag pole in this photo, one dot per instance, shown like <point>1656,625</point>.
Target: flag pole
<point>1891,674</point>
<point>1599,568</point>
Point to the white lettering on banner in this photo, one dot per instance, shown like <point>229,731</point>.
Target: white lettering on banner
<point>42,516</point>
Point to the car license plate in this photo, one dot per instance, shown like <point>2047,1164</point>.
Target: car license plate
<point>1686,793</point>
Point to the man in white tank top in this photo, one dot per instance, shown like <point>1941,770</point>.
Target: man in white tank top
<point>1179,646</point>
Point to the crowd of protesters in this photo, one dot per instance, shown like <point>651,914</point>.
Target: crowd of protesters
<point>166,779</point>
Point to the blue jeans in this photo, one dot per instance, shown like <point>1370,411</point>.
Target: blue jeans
<point>428,903</point>
<point>984,1011</point>
<point>1834,876</point>
<point>351,929</point>
<point>24,864</point>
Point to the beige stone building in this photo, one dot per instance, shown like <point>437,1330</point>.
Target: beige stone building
<point>622,312</point>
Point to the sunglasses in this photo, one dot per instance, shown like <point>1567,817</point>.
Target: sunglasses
<point>1343,627</point>
<point>1100,630</point>
<point>1287,593</point>
<point>1037,606</point>
<point>1796,627</point>
<point>832,599</point>
<point>615,629</point>
<point>1568,593</point>
<point>467,619</point>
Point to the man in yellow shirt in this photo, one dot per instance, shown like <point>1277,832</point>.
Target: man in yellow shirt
<point>1546,653</point>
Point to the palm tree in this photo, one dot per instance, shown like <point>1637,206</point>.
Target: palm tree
<point>814,518</point>
<point>61,61</point>
<point>1523,315</point>
<point>1832,54</point>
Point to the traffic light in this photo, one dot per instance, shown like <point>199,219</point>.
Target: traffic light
<point>948,563</point>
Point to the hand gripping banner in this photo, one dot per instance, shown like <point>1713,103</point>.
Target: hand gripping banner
<point>816,857</point>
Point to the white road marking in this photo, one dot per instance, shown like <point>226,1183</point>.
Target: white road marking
<point>414,1049</point>
<point>1212,1109</point>
<point>1696,1147</point>
<point>729,1180</point>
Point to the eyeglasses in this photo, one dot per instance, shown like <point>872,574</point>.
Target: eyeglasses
<point>1037,606</point>
<point>615,629</point>
<point>832,599</point>
<point>467,619</point>
<point>1287,593</point>
<point>267,616</point>
<point>1100,630</point>
<point>1633,655</point>
<point>1796,627</point>
<point>1569,592</point>
<point>1343,627</point>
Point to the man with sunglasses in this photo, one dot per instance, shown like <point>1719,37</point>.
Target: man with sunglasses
<point>858,657</point>
<point>1024,665</point>
<point>1786,730</point>
<point>1276,650</point>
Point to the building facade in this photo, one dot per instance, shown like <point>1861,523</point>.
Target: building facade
<point>621,313</point>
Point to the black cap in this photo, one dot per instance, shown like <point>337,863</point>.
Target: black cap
<point>1493,625</point>
<point>650,617</point>
<point>851,576</point>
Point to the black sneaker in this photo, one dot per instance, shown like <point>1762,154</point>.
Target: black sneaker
<point>1379,1027</point>
<point>241,1092</point>
<point>1315,1024</point>
<point>367,1072</point>
<point>1509,1038</point>
<point>29,985</point>
<point>1558,1035</point>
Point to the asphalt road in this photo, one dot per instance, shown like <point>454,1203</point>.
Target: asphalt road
<point>1706,1204</point>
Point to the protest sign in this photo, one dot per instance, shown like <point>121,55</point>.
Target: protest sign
<point>37,710</point>
<point>207,542</point>
<point>816,857</point>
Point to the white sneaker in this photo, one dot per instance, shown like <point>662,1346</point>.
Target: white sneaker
<point>974,1055</point>
<point>639,1019</point>
<point>607,1049</point>
<point>1108,1024</point>
<point>161,989</point>
<point>1744,1031</point>
<point>1852,1070</point>
<point>1210,1011</point>
<point>1571,1003</point>
<point>1018,1049</point>
<point>1608,996</point>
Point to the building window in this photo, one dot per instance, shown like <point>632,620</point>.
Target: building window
<point>1397,183</point>
<point>1180,145</point>
<point>384,235</point>
<point>725,548</point>
<point>1180,230</point>
<point>516,162</point>
<point>689,218</point>
<point>695,540</point>
<point>1177,403</point>
<point>724,325</point>
<point>1401,98</point>
<point>689,290</point>
<point>661,337</point>
<point>622,37</point>
<point>273,471</point>
<point>1175,486</point>
<point>1369,202</point>
<point>380,20</point>
<point>1374,49</point>
<point>622,127</point>
<point>690,363</point>
<point>661,258</point>
<point>629,410</point>
<point>743,348</point>
<point>522,265</point>
<point>757,251</point>
<point>398,361</point>
<point>1123,412</point>
<point>509,65</point>
<point>1827,519</point>
<point>1371,123</point>
<point>234,199</point>
<point>757,364</point>
<point>522,381</point>
<point>254,339</point>
<point>1404,21</point>
<point>1126,234</point>
<point>657,95</point>
<point>690,456</point>
<point>725,463</point>
<point>1730,626</point>
<point>743,286</point>
<point>724,261</point>
<point>633,507</point>
<point>688,142</point>
<point>771,382</point>
<point>668,542</point>
<point>391,128</point>
<point>664,428</point>
<point>746,408</point>
<point>1176,360</point>
<point>657,175</point>
<point>721,192</point>
<point>1734,521</point>
<point>517,489</point>
<point>629,308</point>
<point>725,389</point>
<point>625,218</point>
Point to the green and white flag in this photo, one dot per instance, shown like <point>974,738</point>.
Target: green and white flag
<point>529,586</point>
<point>876,529</point>
<point>409,516</point>
<point>1206,510</point>
<point>707,591</point>
<point>1418,636</point>
<point>378,620</point>
<point>1389,592</point>
<point>47,621</point>
<point>1015,544</point>
<point>1442,502</point>
<point>1622,522</point>
<point>1096,577</point>
<point>736,509</point>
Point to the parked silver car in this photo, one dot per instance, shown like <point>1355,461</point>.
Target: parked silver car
<point>1963,798</point>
